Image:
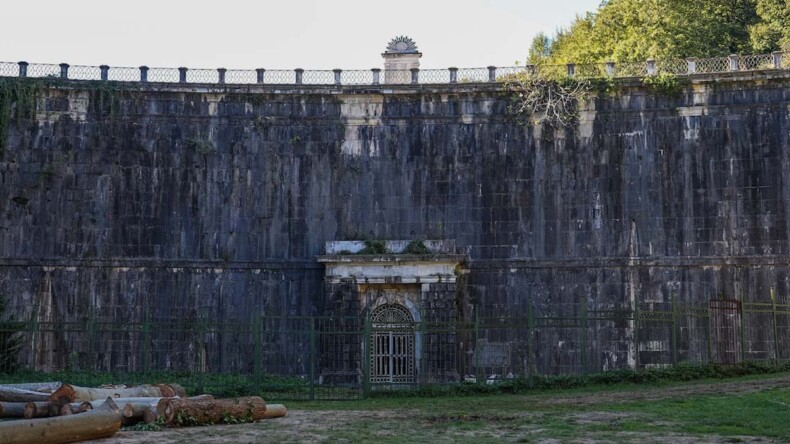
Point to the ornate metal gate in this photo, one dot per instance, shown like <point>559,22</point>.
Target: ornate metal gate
<point>392,346</point>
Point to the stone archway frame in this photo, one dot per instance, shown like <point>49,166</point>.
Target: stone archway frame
<point>357,275</point>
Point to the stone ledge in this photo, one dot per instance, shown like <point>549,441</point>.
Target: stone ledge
<point>390,258</point>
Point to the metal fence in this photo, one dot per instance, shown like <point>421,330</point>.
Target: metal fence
<point>284,358</point>
<point>733,63</point>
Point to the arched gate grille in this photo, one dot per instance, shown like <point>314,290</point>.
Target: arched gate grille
<point>392,345</point>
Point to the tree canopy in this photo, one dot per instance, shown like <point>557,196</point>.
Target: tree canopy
<point>636,30</point>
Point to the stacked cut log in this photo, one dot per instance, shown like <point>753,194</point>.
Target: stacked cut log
<point>96,424</point>
<point>72,393</point>
<point>184,412</point>
<point>66,413</point>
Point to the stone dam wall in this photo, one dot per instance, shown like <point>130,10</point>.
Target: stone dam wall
<point>212,201</point>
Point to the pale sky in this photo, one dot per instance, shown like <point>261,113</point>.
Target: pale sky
<point>283,34</point>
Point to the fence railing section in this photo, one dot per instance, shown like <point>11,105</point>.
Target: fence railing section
<point>733,63</point>
<point>345,358</point>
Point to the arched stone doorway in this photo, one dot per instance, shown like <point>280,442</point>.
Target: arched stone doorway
<point>391,296</point>
<point>392,345</point>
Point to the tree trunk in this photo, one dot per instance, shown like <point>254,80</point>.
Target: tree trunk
<point>37,409</point>
<point>42,387</point>
<point>136,412</point>
<point>187,412</point>
<point>275,411</point>
<point>12,409</point>
<point>150,416</point>
<point>68,393</point>
<point>68,409</point>
<point>121,402</point>
<point>12,394</point>
<point>99,423</point>
<point>65,410</point>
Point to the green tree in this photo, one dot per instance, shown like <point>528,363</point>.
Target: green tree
<point>540,49</point>
<point>636,30</point>
<point>772,32</point>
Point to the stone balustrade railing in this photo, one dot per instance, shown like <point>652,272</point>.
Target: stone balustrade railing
<point>376,76</point>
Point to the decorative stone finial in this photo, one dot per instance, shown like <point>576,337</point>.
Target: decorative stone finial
<point>402,45</point>
<point>400,59</point>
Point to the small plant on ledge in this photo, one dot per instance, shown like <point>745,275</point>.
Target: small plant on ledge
<point>416,247</point>
<point>374,247</point>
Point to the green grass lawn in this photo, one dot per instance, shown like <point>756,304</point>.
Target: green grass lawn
<point>696,411</point>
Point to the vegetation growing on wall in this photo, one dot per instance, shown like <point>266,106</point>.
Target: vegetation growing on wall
<point>664,84</point>
<point>374,247</point>
<point>542,99</point>
<point>105,98</point>
<point>201,145</point>
<point>17,104</point>
<point>416,247</point>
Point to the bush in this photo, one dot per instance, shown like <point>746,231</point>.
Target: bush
<point>374,247</point>
<point>416,247</point>
<point>664,84</point>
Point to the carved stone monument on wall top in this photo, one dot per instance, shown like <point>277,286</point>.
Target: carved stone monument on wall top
<point>400,58</point>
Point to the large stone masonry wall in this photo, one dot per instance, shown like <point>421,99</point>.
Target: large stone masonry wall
<point>217,199</point>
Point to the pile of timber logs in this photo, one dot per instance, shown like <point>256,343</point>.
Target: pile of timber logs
<point>52,412</point>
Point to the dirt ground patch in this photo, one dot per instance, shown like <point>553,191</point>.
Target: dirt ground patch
<point>541,419</point>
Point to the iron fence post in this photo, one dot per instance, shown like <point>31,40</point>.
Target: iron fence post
<point>674,330</point>
<point>182,74</point>
<point>741,331</point>
<point>257,328</point>
<point>202,329</point>
<point>530,344</point>
<point>635,314</point>
<point>23,69</point>
<point>709,333</point>
<point>147,340</point>
<point>91,328</point>
<point>312,358</point>
<point>366,363</point>
<point>34,333</point>
<point>424,339</point>
<point>64,71</point>
<point>584,326</point>
<point>477,347</point>
<point>776,327</point>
